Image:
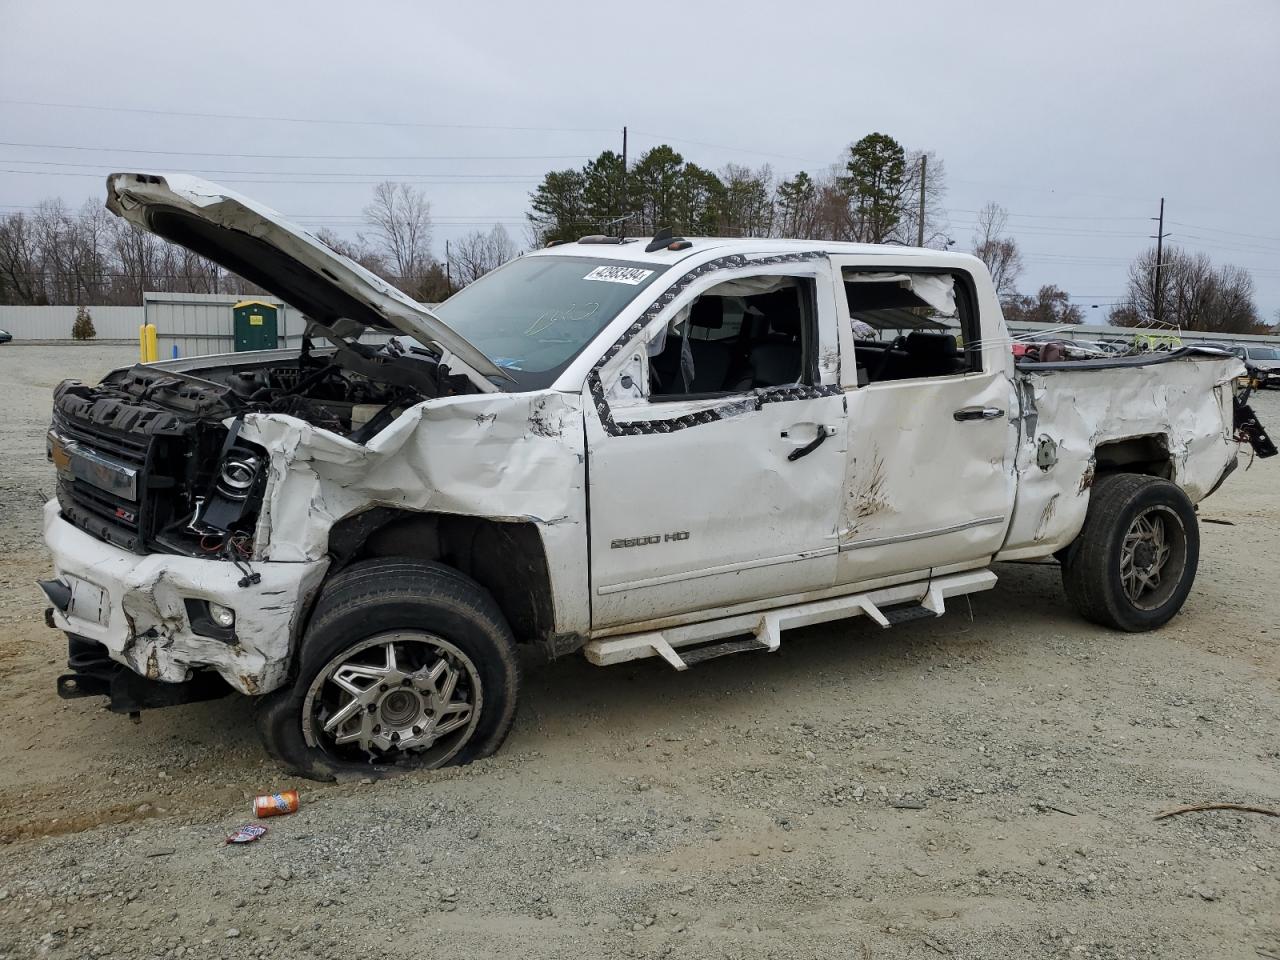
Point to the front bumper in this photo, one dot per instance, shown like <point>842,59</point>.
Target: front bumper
<point>134,605</point>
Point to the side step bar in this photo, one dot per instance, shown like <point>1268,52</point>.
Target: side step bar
<point>763,630</point>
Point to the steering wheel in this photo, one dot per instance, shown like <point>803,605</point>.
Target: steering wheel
<point>899,342</point>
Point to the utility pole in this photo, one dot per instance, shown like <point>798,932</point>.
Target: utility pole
<point>448,269</point>
<point>924,168</point>
<point>622,224</point>
<point>1157,306</point>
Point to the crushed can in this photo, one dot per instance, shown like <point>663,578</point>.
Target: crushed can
<point>275,804</point>
<point>247,834</point>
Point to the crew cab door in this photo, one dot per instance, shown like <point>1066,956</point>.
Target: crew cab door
<point>931,477</point>
<point>716,444</point>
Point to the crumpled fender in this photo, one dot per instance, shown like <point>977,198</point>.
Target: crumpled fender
<point>516,456</point>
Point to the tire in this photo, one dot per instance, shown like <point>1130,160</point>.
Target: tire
<point>1114,581</point>
<point>445,694</point>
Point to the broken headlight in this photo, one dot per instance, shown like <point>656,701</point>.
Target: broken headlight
<point>238,474</point>
<point>237,489</point>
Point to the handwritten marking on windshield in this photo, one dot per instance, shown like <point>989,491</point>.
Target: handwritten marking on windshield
<point>573,314</point>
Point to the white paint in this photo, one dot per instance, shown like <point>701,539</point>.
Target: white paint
<point>900,502</point>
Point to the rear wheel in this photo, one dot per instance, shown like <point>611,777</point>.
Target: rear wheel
<point>406,664</point>
<point>1134,562</point>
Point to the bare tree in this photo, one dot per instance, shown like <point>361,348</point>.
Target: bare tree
<point>935,192</point>
<point>747,208</point>
<point>1050,305</point>
<point>20,259</point>
<point>471,257</point>
<point>358,250</point>
<point>400,217</point>
<point>1192,294</point>
<point>998,252</point>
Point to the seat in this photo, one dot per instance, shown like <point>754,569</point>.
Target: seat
<point>931,354</point>
<point>710,359</point>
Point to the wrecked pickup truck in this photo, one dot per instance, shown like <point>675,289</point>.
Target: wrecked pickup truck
<point>666,447</point>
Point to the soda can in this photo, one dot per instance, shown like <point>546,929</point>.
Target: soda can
<point>276,804</point>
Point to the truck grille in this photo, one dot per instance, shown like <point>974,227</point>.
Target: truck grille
<point>99,512</point>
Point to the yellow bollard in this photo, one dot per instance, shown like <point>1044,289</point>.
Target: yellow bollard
<point>152,347</point>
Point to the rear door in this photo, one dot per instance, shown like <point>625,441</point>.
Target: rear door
<point>931,476</point>
<point>716,465</point>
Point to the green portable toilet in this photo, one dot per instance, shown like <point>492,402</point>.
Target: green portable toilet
<point>255,325</point>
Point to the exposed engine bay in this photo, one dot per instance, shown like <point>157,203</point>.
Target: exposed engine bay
<point>147,461</point>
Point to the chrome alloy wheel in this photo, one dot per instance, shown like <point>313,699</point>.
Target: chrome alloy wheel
<point>1152,557</point>
<point>394,696</point>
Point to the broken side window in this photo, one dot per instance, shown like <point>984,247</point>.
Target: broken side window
<point>909,324</point>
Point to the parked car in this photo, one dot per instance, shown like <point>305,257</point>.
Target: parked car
<point>1262,363</point>
<point>5,336</point>
<point>657,447</point>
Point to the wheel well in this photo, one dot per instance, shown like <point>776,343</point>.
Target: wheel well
<point>507,558</point>
<point>1147,455</point>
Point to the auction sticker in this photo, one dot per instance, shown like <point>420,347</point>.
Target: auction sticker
<point>629,275</point>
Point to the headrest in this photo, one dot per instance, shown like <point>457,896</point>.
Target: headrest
<point>781,309</point>
<point>931,344</point>
<point>708,313</point>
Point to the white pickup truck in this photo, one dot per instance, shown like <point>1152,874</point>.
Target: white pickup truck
<point>664,447</point>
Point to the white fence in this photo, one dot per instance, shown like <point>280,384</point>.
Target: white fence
<point>200,323</point>
<point>54,323</point>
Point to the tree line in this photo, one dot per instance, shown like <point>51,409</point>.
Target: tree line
<point>871,194</point>
<point>876,191</point>
<point>56,255</point>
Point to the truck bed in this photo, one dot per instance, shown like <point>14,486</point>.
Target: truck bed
<point>1165,413</point>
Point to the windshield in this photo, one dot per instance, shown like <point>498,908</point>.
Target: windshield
<point>533,316</point>
<point>1263,353</point>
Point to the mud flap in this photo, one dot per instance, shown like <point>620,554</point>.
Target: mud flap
<point>1249,430</point>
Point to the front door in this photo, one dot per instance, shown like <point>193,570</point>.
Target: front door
<point>716,445</point>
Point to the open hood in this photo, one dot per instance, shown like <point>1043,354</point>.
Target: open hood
<point>258,243</point>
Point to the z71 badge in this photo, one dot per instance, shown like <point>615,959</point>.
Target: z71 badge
<point>650,540</point>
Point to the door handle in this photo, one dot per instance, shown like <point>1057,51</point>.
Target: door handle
<point>812,445</point>
<point>978,413</point>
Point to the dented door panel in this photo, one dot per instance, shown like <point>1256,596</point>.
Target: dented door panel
<point>715,513</point>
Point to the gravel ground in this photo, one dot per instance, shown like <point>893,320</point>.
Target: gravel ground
<point>982,785</point>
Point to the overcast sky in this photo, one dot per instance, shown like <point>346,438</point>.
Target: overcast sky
<point>1077,117</point>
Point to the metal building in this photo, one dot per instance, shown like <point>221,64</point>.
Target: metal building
<point>196,324</point>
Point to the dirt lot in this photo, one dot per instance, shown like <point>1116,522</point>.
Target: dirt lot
<point>978,786</point>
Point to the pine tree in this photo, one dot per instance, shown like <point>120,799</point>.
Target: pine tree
<point>83,329</point>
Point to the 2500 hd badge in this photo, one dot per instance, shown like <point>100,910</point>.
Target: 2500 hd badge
<point>648,541</point>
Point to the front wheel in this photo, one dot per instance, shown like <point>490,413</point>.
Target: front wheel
<point>1134,562</point>
<point>406,664</point>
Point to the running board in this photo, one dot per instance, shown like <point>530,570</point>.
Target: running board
<point>762,631</point>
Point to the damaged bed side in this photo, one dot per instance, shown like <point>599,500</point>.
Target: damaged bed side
<point>1167,416</point>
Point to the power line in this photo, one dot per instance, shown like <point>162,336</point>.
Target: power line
<point>503,177</point>
<point>416,178</point>
<point>721,146</point>
<point>295,156</point>
<point>1251,236</point>
<point>316,120</point>
<point>434,177</point>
